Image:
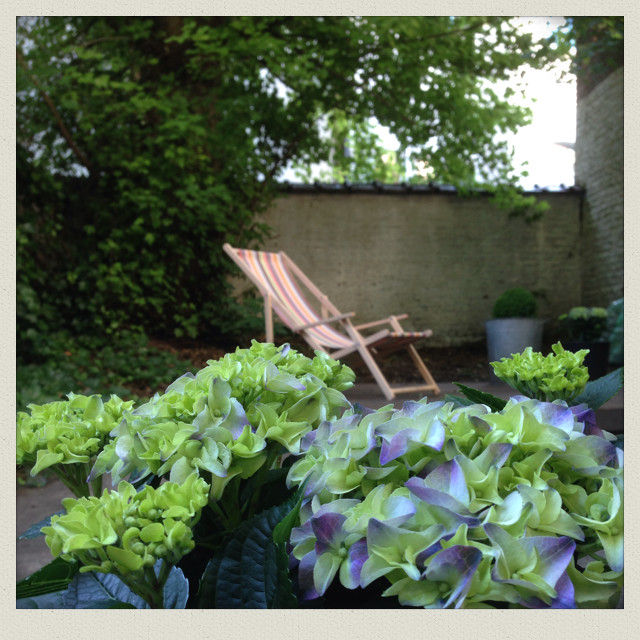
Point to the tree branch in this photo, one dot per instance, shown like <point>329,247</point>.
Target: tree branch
<point>66,134</point>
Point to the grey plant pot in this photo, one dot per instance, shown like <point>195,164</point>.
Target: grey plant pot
<point>512,335</point>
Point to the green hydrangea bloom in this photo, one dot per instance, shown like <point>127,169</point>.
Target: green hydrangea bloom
<point>557,376</point>
<point>67,432</point>
<point>125,531</point>
<point>224,418</point>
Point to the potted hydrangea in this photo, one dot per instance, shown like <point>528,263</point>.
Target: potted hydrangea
<point>255,483</point>
<point>513,327</point>
<point>586,328</point>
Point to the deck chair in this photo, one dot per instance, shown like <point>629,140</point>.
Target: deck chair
<point>276,276</point>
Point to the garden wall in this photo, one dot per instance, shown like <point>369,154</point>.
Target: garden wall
<point>439,257</point>
<point>600,170</point>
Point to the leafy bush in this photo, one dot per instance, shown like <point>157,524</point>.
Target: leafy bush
<point>515,303</point>
<point>451,504</point>
<point>584,324</point>
<point>126,365</point>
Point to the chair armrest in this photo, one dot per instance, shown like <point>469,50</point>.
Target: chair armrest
<point>342,316</point>
<point>375,323</point>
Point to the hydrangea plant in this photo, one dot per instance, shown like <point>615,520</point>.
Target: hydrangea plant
<point>584,324</point>
<point>255,483</point>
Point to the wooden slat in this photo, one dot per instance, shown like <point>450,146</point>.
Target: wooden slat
<point>412,388</point>
<point>366,341</point>
<point>342,316</point>
<point>375,323</point>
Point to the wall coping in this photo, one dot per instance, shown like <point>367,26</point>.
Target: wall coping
<point>404,188</point>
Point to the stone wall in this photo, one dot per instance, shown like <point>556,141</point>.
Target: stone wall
<point>600,170</point>
<point>441,258</point>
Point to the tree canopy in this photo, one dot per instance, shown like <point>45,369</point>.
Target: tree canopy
<point>145,143</point>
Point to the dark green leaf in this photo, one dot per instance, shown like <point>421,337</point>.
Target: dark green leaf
<point>252,571</point>
<point>229,586</point>
<point>95,590</point>
<point>481,397</point>
<point>208,581</point>
<point>92,588</point>
<point>597,392</point>
<point>282,530</point>
<point>458,401</point>
<point>55,576</point>
<point>35,529</point>
<point>176,590</point>
<point>44,601</point>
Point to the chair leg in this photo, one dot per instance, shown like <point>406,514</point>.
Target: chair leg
<point>422,368</point>
<point>375,371</point>
<point>268,319</point>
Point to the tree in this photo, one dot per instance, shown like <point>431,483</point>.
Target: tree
<point>144,143</point>
<point>599,42</point>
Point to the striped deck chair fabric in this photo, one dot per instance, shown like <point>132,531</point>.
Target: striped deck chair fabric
<point>279,281</point>
<point>288,301</point>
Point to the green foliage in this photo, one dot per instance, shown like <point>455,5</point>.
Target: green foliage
<point>89,365</point>
<point>599,42</point>
<point>615,312</point>
<point>356,154</point>
<point>474,396</point>
<point>51,578</point>
<point>515,303</point>
<point>584,324</point>
<point>107,591</point>
<point>251,571</point>
<point>145,143</point>
<point>597,392</point>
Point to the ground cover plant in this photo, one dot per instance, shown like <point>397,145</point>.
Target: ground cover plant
<point>125,364</point>
<point>255,483</point>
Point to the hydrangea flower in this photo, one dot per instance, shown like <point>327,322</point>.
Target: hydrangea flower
<point>557,376</point>
<point>127,532</point>
<point>230,418</point>
<point>466,507</point>
<point>67,432</point>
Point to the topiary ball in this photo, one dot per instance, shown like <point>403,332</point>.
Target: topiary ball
<point>515,303</point>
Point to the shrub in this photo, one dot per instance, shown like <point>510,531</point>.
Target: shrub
<point>515,303</point>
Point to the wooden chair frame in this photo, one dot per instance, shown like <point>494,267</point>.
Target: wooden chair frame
<point>366,346</point>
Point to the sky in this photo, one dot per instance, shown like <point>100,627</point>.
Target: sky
<point>553,104</point>
<point>554,121</point>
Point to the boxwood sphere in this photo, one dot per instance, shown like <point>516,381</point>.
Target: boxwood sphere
<point>515,303</point>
